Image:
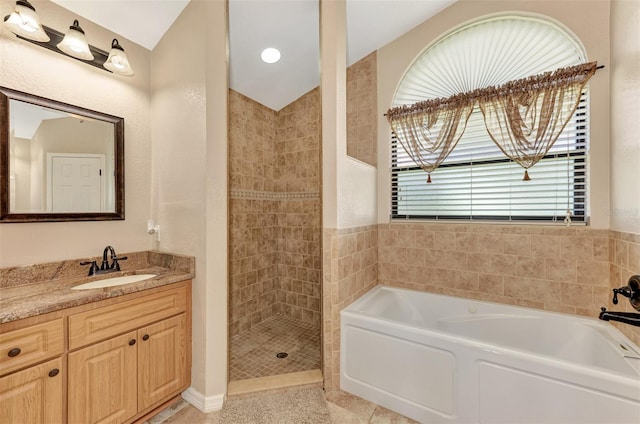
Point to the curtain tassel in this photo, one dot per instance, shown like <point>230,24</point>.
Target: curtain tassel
<point>428,178</point>
<point>526,176</point>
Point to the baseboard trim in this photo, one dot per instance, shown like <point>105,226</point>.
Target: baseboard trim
<point>204,404</point>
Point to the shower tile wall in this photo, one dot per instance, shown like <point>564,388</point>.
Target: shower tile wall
<point>297,175</point>
<point>274,211</point>
<point>362,122</point>
<point>253,215</point>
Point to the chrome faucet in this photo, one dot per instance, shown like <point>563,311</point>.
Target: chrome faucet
<point>105,268</point>
<point>632,291</point>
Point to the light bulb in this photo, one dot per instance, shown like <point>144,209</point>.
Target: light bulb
<point>24,21</point>
<point>270,55</point>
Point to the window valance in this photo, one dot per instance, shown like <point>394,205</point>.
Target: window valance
<point>523,117</point>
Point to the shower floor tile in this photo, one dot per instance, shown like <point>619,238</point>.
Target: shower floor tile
<point>253,353</point>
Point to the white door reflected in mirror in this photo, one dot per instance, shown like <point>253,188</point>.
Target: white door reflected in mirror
<point>59,161</point>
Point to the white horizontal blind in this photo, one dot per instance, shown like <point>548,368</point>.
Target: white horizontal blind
<point>477,181</point>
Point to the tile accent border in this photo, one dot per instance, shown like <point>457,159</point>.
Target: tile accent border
<point>271,195</point>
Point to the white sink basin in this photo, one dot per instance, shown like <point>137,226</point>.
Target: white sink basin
<point>112,282</point>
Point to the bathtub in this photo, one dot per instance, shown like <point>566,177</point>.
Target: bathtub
<point>441,359</point>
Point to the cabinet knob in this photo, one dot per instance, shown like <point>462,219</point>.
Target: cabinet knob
<point>132,342</point>
<point>54,372</point>
<point>14,352</point>
<point>145,337</point>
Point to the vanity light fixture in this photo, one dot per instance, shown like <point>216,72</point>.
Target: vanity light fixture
<point>117,62</point>
<point>24,22</point>
<point>75,43</point>
<point>270,55</point>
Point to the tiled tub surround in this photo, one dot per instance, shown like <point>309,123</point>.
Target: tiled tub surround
<point>31,290</point>
<point>274,211</point>
<point>350,269</point>
<point>554,268</point>
<point>624,257</point>
<point>570,270</point>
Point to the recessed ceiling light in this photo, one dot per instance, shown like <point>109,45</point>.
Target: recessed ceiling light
<point>270,55</point>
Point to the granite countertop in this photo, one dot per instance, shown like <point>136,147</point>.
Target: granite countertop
<point>24,298</point>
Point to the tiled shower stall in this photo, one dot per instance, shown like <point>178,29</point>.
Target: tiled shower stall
<point>275,236</point>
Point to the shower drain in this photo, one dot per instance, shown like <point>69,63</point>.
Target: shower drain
<point>282,355</point>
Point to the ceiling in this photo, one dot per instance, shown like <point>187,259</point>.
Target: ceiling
<point>289,25</point>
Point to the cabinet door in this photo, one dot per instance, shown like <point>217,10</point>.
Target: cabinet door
<point>102,382</point>
<point>33,395</point>
<point>162,359</point>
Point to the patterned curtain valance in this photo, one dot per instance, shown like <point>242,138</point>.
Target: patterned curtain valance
<point>523,117</point>
<point>429,130</point>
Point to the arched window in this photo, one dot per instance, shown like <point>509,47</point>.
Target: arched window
<point>477,181</point>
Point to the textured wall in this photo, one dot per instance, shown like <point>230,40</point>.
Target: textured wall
<point>189,128</point>
<point>625,107</point>
<point>26,67</point>
<point>362,122</point>
<point>275,211</point>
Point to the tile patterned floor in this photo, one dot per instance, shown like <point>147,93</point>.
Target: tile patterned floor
<point>344,408</point>
<point>253,353</point>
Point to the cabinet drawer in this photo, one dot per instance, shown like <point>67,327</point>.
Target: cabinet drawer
<point>27,346</point>
<point>99,324</point>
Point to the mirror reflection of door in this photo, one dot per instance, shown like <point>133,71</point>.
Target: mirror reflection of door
<point>83,181</point>
<point>75,182</point>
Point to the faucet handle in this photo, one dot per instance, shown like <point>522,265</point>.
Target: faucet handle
<point>625,291</point>
<point>93,268</point>
<point>115,265</point>
<point>632,291</point>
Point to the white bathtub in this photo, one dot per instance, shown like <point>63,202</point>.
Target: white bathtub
<point>440,359</point>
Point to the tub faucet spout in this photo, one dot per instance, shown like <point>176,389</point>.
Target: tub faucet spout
<point>630,318</point>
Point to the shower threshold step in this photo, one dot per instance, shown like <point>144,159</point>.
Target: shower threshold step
<point>239,388</point>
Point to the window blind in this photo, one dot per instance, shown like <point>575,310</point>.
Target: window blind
<point>478,182</point>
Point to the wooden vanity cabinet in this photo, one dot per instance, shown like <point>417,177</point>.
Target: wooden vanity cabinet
<point>162,359</point>
<point>33,395</point>
<point>125,358</point>
<point>114,380</point>
<point>31,391</point>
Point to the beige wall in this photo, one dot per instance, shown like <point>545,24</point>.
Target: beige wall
<point>26,67</point>
<point>348,185</point>
<point>588,20</point>
<point>189,122</point>
<point>625,108</point>
<point>624,248</point>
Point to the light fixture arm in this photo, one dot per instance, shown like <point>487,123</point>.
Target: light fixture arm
<point>100,56</point>
<point>25,24</point>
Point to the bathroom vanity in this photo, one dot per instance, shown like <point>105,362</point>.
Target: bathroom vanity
<point>114,354</point>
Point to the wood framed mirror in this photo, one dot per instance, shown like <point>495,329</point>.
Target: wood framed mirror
<point>58,162</point>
